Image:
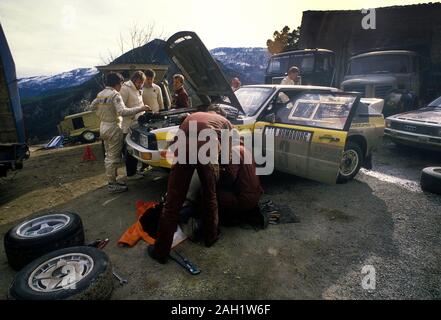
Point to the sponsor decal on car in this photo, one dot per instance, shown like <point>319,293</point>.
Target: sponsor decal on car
<point>288,133</point>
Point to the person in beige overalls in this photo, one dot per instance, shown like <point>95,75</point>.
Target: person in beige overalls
<point>109,106</point>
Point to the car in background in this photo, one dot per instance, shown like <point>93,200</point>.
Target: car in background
<point>420,128</point>
<point>320,133</point>
<point>84,127</point>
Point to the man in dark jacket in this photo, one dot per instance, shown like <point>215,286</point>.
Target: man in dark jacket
<point>180,96</point>
<point>240,189</point>
<point>179,181</point>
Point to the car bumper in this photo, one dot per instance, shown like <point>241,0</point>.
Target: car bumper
<point>417,140</point>
<point>154,158</point>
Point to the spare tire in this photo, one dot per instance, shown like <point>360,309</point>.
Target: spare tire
<point>37,236</point>
<point>431,179</point>
<point>76,273</point>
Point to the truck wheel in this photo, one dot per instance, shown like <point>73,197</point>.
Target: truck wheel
<point>76,273</point>
<point>431,179</point>
<point>350,163</point>
<point>88,137</point>
<point>36,237</point>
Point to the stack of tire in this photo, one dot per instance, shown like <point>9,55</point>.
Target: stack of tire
<point>53,263</point>
<point>431,179</point>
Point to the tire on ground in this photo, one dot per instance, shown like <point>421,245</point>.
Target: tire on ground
<point>431,179</point>
<point>22,248</point>
<point>350,145</point>
<point>97,283</point>
<point>86,136</point>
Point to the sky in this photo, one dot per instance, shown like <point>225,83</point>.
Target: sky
<point>48,36</point>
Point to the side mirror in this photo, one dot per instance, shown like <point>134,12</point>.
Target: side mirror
<point>271,118</point>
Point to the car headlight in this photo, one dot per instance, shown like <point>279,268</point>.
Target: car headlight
<point>144,141</point>
<point>388,123</point>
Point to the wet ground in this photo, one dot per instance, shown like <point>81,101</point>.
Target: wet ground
<point>381,219</point>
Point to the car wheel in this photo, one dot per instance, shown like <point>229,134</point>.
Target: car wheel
<point>88,137</point>
<point>76,273</point>
<point>36,237</point>
<point>350,163</point>
<point>431,179</point>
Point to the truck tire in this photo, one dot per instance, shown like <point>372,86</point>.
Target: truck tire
<point>76,273</point>
<point>431,179</point>
<point>88,136</point>
<point>351,162</point>
<point>37,236</point>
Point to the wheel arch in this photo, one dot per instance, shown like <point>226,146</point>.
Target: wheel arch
<point>360,140</point>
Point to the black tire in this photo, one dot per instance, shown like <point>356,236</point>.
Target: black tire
<point>354,147</point>
<point>88,136</point>
<point>97,283</point>
<point>21,250</point>
<point>431,179</point>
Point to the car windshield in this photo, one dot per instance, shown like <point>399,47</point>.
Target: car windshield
<point>435,103</point>
<point>280,65</point>
<point>390,63</point>
<point>251,99</point>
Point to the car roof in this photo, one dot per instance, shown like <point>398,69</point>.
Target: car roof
<point>295,87</point>
<point>378,53</point>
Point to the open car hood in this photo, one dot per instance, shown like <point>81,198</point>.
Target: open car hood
<point>199,68</point>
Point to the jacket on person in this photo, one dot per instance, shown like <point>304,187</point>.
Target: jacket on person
<point>132,98</point>
<point>153,97</point>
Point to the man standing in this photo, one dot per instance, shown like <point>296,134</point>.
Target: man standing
<point>109,106</point>
<point>131,93</point>
<point>292,78</point>
<point>152,93</point>
<point>180,96</point>
<point>179,181</point>
<point>235,84</point>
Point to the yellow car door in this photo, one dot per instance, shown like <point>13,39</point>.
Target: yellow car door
<point>309,130</point>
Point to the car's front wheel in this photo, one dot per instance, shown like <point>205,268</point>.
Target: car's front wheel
<point>350,162</point>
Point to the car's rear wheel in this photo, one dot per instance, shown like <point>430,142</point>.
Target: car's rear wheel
<point>350,162</point>
<point>88,137</point>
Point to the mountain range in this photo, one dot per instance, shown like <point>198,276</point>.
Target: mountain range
<point>46,100</point>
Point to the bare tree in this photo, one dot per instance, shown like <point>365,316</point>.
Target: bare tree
<point>134,38</point>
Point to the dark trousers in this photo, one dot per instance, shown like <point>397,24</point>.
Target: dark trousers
<point>234,205</point>
<point>178,183</point>
<point>131,162</point>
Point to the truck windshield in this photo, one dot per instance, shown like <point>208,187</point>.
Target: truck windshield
<point>390,63</point>
<point>280,65</point>
<point>251,99</point>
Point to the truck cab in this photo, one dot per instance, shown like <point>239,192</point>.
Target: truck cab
<point>392,75</point>
<point>316,66</point>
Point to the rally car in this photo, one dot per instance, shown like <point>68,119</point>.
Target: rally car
<point>320,133</point>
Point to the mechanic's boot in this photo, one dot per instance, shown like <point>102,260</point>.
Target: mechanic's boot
<point>151,252</point>
<point>136,176</point>
<point>116,188</point>
<point>210,242</point>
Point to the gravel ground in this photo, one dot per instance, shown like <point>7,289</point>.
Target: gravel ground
<point>381,219</point>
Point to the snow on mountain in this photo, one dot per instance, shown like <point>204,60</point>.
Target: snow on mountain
<point>251,62</point>
<point>34,86</point>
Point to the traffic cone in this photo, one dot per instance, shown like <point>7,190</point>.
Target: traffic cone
<point>88,154</point>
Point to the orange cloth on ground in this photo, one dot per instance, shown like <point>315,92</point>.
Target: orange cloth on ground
<point>136,232</point>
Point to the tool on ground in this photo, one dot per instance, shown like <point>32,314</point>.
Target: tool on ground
<point>99,243</point>
<point>121,280</point>
<point>184,262</point>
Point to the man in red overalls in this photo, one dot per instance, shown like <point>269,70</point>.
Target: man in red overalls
<point>178,184</point>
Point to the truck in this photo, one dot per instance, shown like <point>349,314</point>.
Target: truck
<point>13,147</point>
<point>316,66</point>
<point>393,75</point>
